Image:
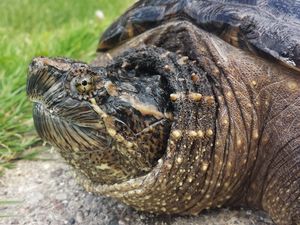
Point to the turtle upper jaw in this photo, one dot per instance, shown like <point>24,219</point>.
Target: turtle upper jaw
<point>45,80</point>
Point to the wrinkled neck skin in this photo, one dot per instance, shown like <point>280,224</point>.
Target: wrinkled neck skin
<point>239,145</point>
<point>257,130</point>
<point>180,179</point>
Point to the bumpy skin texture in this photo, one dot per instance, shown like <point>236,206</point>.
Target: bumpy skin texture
<point>176,120</point>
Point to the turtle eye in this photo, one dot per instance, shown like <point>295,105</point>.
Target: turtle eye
<point>84,85</point>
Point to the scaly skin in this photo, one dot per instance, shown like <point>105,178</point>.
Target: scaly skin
<point>234,136</point>
<point>257,131</point>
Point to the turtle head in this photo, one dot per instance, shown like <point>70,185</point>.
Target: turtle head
<point>110,123</point>
<point>141,129</point>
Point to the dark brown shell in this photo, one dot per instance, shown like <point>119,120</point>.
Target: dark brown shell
<point>270,28</point>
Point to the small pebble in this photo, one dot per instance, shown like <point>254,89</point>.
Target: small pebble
<point>114,221</point>
<point>71,221</point>
<point>79,216</point>
<point>61,196</point>
<point>122,222</point>
<point>35,197</point>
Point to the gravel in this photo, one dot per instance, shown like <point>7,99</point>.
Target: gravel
<point>47,194</point>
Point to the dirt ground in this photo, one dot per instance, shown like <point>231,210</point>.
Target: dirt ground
<point>46,193</point>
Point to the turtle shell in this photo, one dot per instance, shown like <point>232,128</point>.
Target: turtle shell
<point>269,28</point>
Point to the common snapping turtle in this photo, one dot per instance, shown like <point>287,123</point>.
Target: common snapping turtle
<point>189,105</point>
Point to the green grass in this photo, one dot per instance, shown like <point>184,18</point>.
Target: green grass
<point>30,28</point>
